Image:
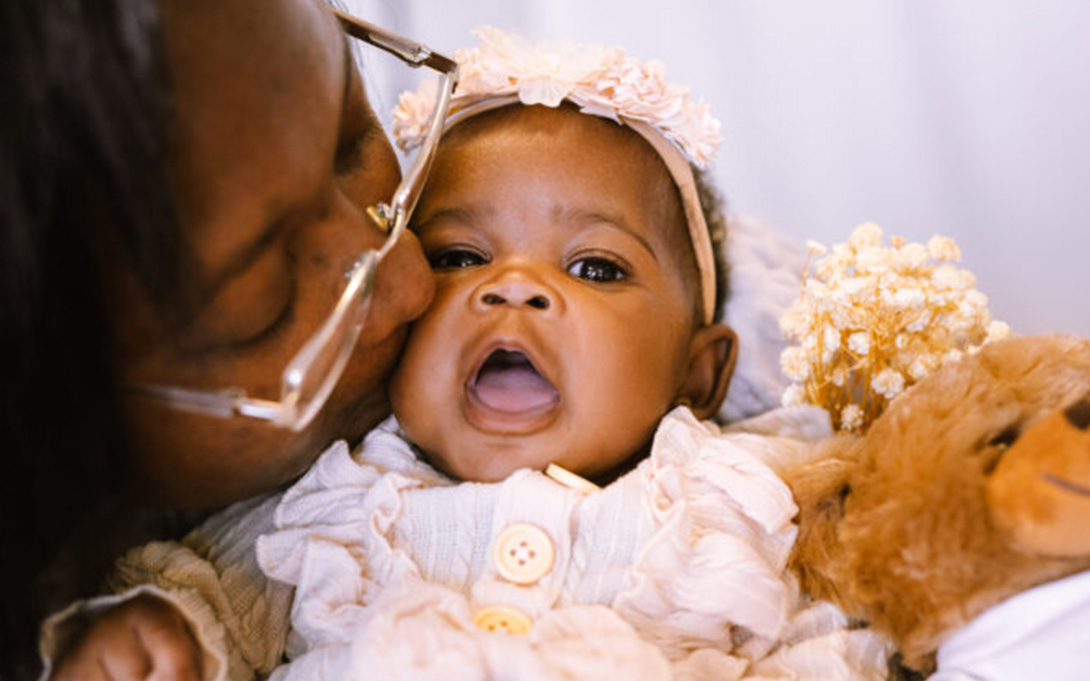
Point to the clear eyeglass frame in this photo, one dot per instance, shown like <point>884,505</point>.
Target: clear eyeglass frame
<point>313,372</point>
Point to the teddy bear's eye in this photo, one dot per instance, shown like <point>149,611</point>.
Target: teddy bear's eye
<point>832,500</point>
<point>1006,438</point>
<point>1078,414</point>
<point>998,446</point>
<point>842,495</point>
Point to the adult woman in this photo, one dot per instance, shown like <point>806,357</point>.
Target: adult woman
<point>183,192</point>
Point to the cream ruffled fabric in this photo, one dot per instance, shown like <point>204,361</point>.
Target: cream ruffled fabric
<point>676,570</point>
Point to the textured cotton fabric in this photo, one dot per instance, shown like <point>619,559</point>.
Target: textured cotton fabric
<point>240,617</point>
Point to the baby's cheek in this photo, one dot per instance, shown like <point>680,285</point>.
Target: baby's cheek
<point>408,390</point>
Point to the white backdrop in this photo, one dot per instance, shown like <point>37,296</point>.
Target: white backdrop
<point>967,118</point>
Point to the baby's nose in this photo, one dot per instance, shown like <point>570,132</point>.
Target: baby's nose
<point>538,301</point>
<point>515,289</point>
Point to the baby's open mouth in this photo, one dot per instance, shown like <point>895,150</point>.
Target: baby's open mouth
<point>508,382</point>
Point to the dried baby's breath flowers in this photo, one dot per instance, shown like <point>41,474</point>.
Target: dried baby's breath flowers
<point>872,320</point>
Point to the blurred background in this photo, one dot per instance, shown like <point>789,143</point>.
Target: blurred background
<point>967,118</point>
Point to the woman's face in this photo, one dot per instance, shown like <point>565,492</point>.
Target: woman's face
<point>275,155</point>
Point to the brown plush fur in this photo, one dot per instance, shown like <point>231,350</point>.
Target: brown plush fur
<point>895,526</point>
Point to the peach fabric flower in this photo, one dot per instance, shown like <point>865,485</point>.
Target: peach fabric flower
<point>601,81</point>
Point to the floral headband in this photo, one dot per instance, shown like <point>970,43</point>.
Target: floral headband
<point>506,69</point>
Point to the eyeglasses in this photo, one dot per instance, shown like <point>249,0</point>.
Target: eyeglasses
<point>313,372</point>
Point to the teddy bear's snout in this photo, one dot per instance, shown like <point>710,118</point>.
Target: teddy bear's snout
<point>1078,414</point>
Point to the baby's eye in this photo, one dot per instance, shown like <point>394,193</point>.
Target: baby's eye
<point>455,259</point>
<point>597,269</point>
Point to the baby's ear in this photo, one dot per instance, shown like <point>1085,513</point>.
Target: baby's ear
<point>712,355</point>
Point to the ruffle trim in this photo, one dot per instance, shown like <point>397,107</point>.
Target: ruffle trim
<point>722,537</point>
<point>420,630</point>
<point>720,533</point>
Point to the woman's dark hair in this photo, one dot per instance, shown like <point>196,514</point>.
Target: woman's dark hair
<point>83,140</point>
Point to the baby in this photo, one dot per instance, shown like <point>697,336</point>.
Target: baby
<point>546,502</point>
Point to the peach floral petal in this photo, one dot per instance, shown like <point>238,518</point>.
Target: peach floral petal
<point>602,81</point>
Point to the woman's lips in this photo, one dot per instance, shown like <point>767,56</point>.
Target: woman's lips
<point>508,387</point>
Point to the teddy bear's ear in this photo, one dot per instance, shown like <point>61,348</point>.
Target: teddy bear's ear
<point>1039,492</point>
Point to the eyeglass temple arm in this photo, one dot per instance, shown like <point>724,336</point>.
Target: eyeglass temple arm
<point>411,187</point>
<point>416,55</point>
<point>410,51</point>
<point>224,404</point>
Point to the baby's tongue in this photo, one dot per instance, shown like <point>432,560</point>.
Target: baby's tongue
<point>509,383</point>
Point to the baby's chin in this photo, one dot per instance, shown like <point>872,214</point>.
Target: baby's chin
<point>483,471</point>
<point>470,455</point>
<point>499,468</point>
<point>485,464</point>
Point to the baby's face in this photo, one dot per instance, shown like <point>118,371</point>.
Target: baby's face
<point>561,324</point>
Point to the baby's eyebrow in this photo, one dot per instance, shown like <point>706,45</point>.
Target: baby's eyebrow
<point>462,214</point>
<point>582,216</point>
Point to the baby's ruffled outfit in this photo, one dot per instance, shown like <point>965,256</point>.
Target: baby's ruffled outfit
<point>674,571</point>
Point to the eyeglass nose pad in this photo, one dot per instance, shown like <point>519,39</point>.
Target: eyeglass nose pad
<point>380,215</point>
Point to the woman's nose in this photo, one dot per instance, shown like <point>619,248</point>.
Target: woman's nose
<point>404,286</point>
<point>516,288</point>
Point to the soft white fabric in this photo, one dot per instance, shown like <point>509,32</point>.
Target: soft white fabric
<point>676,570</point>
<point>1043,633</point>
<point>765,279</point>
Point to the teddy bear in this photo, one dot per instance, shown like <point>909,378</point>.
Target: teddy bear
<point>959,523</point>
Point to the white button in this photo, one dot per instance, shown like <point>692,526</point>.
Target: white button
<point>502,617</point>
<point>569,479</point>
<point>523,553</point>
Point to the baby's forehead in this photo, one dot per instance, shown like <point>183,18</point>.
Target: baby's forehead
<point>636,162</point>
<point>555,124</point>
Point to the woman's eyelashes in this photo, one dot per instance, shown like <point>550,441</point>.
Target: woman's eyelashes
<point>279,319</point>
<point>361,130</point>
<point>348,157</point>
<point>229,330</point>
<point>287,313</point>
